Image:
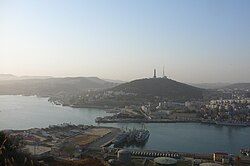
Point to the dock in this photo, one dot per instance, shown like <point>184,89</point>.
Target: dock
<point>106,120</point>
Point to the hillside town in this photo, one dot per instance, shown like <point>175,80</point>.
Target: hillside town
<point>233,110</point>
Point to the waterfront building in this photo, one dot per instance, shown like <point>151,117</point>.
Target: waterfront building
<point>218,156</point>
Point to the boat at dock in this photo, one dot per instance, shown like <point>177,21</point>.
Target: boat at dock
<point>131,136</point>
<point>142,136</point>
<point>120,139</point>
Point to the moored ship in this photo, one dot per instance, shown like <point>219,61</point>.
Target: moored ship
<point>120,139</point>
<point>131,136</point>
<point>142,136</point>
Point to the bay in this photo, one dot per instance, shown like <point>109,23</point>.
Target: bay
<point>24,112</point>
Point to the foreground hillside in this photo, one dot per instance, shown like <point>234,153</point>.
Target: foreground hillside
<point>52,86</point>
<point>11,155</point>
<point>162,87</point>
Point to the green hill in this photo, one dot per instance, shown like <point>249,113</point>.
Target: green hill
<point>161,87</point>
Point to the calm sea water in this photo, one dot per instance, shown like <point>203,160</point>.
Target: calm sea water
<point>24,112</point>
<point>19,112</point>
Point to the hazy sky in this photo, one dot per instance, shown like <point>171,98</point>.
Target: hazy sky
<point>197,41</point>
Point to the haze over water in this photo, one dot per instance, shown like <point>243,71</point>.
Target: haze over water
<point>22,112</point>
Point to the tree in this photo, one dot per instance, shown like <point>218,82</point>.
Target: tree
<point>10,154</point>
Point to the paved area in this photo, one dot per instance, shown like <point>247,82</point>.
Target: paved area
<point>105,139</point>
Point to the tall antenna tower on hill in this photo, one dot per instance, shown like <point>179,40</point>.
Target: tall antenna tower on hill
<point>154,73</point>
<point>163,72</point>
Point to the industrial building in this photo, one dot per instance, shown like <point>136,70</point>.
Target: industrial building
<point>165,161</point>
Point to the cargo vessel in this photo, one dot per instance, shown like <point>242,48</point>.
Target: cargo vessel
<point>142,136</point>
<point>120,139</point>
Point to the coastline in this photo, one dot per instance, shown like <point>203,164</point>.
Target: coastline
<point>65,113</point>
<point>145,121</point>
<point>111,110</point>
<point>56,102</point>
<point>104,120</point>
<point>107,109</point>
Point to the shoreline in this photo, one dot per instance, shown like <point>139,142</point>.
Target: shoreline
<point>162,127</point>
<point>107,109</point>
<point>56,102</point>
<point>102,141</point>
<point>99,121</point>
<point>145,121</point>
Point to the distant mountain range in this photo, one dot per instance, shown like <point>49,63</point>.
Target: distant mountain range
<point>5,77</point>
<point>145,89</point>
<point>240,86</point>
<point>115,81</point>
<point>53,86</point>
<point>162,87</point>
<point>210,85</point>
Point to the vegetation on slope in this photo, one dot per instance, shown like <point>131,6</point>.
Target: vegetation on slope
<point>162,87</point>
<point>10,155</point>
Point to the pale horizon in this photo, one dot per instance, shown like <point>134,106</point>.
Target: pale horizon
<point>118,80</point>
<point>197,41</point>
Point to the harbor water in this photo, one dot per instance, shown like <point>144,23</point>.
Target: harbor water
<point>22,112</point>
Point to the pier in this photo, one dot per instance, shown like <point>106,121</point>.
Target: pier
<point>107,120</point>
